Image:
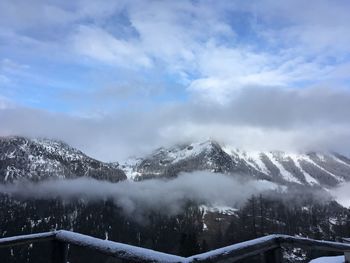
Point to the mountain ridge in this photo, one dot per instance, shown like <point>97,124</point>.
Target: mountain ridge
<point>310,168</point>
<point>37,159</point>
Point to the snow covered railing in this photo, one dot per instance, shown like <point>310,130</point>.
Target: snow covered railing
<point>26,239</point>
<point>114,249</point>
<point>268,247</point>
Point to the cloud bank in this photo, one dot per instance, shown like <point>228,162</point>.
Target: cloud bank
<point>255,119</point>
<point>342,194</point>
<point>136,198</point>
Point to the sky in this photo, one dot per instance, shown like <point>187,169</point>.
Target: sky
<point>119,78</point>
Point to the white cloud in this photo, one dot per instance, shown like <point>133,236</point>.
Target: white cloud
<point>227,52</point>
<point>136,198</point>
<point>342,194</point>
<point>23,15</point>
<point>98,44</point>
<point>315,26</point>
<point>4,79</point>
<point>10,66</point>
<point>8,69</point>
<point>256,119</point>
<point>196,41</point>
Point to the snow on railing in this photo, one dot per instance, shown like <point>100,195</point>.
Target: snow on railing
<point>269,247</point>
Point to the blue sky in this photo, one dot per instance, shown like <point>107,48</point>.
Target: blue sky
<point>98,61</point>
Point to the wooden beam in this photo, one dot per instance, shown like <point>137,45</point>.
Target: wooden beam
<point>59,252</point>
<point>238,251</point>
<point>118,250</point>
<point>313,244</point>
<point>273,256</point>
<point>347,257</point>
<point>26,239</point>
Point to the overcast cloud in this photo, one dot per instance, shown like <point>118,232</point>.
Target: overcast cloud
<point>257,119</point>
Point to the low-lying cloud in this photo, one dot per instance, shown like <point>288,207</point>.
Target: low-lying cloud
<point>136,198</point>
<point>257,118</point>
<point>342,194</point>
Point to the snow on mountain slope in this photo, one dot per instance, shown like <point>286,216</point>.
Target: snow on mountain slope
<point>128,168</point>
<point>309,179</point>
<point>312,169</point>
<point>252,159</point>
<point>338,178</point>
<point>169,162</point>
<point>35,159</point>
<point>288,176</point>
<point>38,158</point>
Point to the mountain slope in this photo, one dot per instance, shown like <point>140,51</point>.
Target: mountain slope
<point>36,159</point>
<point>181,158</point>
<point>313,169</point>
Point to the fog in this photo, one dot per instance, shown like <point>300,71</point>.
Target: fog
<point>136,198</point>
<point>342,194</point>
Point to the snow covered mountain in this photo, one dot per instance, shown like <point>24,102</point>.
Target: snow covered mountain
<point>314,169</point>
<point>180,158</point>
<point>37,159</point>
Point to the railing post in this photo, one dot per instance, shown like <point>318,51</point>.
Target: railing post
<point>347,256</point>
<point>272,256</point>
<point>59,252</point>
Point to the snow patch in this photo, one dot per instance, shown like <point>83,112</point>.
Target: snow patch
<point>283,172</point>
<point>129,168</point>
<point>194,149</point>
<point>296,159</point>
<point>308,159</point>
<point>225,210</point>
<point>252,158</point>
<point>340,161</point>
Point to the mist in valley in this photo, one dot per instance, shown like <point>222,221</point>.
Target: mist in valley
<point>167,196</point>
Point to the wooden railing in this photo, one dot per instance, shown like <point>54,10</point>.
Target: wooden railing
<point>268,247</point>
